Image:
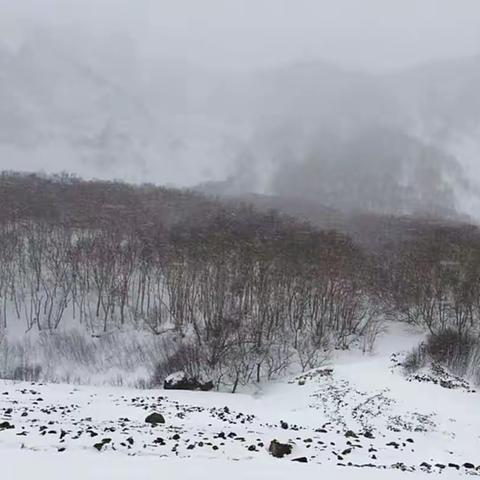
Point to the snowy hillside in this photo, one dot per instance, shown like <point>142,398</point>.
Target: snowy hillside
<point>358,416</point>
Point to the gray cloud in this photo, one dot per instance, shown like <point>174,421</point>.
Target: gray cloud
<point>265,93</point>
<point>370,34</point>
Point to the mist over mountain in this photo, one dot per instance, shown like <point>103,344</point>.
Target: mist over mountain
<point>398,142</point>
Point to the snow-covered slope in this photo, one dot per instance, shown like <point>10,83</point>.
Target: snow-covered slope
<point>358,415</point>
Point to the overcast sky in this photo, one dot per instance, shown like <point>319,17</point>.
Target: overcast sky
<point>370,34</point>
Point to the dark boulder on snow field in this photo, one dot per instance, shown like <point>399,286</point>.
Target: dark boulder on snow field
<point>155,419</point>
<point>6,426</point>
<point>180,381</point>
<point>99,446</point>
<point>279,450</point>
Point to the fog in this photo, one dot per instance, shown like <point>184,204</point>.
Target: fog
<point>354,105</point>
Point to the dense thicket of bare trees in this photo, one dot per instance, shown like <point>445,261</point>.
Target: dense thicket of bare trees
<point>434,279</point>
<point>240,295</point>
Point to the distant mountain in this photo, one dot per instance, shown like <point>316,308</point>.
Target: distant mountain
<point>403,142</point>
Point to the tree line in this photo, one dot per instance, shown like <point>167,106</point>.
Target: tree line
<point>239,294</point>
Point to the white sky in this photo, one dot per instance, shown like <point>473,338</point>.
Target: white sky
<point>371,34</point>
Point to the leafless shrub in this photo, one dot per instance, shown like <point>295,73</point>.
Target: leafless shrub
<point>459,353</point>
<point>415,360</point>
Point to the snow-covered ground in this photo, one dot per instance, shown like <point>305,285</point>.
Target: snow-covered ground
<point>358,417</point>
<point>82,466</point>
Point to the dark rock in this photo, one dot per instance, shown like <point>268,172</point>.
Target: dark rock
<point>180,381</point>
<point>6,426</point>
<point>279,450</point>
<point>101,444</point>
<point>300,460</point>
<point>155,419</point>
<point>98,446</point>
<point>351,434</point>
<point>468,465</point>
<point>207,386</point>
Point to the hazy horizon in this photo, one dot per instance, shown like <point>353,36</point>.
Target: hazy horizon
<point>271,96</point>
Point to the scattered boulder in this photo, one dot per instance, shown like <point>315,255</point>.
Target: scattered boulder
<point>155,419</point>
<point>279,450</point>
<point>6,426</point>
<point>101,444</point>
<point>393,444</point>
<point>300,459</point>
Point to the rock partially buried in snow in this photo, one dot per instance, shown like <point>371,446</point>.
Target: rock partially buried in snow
<point>279,450</point>
<point>6,426</point>
<point>180,381</point>
<point>155,419</point>
<point>207,386</point>
<point>101,444</point>
<point>300,460</point>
